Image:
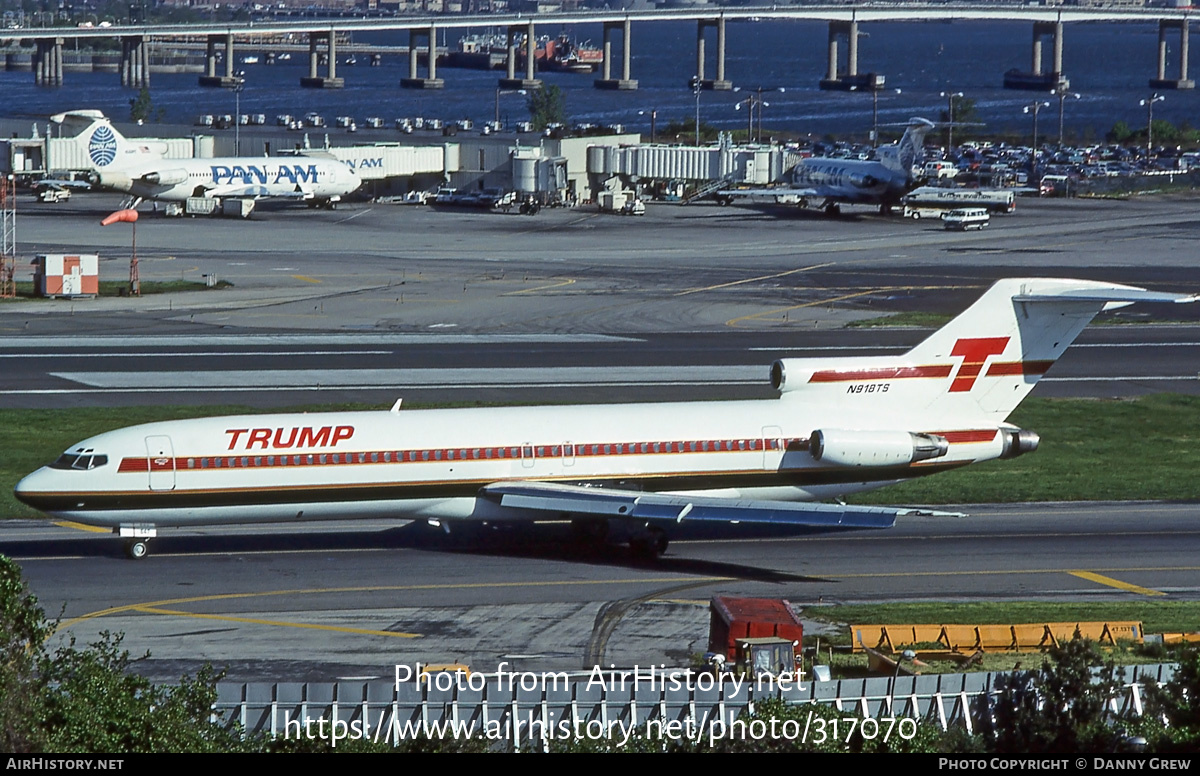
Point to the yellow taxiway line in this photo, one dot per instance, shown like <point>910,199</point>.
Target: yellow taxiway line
<point>161,607</point>
<point>1110,582</point>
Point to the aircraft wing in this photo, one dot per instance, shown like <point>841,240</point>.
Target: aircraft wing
<point>62,183</point>
<point>251,191</point>
<point>661,507</point>
<point>779,191</point>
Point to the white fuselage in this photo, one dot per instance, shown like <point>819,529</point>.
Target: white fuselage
<point>850,181</point>
<point>241,177</point>
<point>432,463</point>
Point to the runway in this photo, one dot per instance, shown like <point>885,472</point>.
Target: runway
<point>371,304</point>
<point>339,600</point>
<point>286,370</point>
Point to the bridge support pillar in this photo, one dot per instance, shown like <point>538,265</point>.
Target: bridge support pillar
<point>530,81</point>
<point>414,81</point>
<point>625,83</point>
<point>719,83</point>
<point>135,62</point>
<point>47,62</point>
<point>850,79</point>
<point>1038,79</point>
<point>1162,82</point>
<point>210,77</point>
<point>331,80</point>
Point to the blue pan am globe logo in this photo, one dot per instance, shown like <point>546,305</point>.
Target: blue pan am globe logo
<point>102,148</point>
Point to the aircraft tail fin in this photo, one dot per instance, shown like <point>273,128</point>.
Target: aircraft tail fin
<point>95,141</point>
<point>911,148</point>
<point>980,365</point>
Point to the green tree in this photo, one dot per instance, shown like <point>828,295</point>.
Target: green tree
<point>1171,721</point>
<point>547,105</point>
<point>141,107</point>
<point>73,699</point>
<point>685,131</point>
<point>1061,708</point>
<point>1120,133</point>
<point>23,630</point>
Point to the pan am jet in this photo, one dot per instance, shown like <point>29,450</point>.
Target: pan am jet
<point>139,168</point>
<point>882,181</point>
<point>632,472</point>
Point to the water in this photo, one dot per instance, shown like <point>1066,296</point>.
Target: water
<point>1108,64</point>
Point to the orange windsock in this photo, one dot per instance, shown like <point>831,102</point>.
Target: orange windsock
<point>120,215</point>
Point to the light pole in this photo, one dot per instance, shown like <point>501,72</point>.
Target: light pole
<point>499,92</point>
<point>1062,96</point>
<point>239,82</point>
<point>950,97</point>
<point>762,104</point>
<point>1149,103</point>
<point>653,112</point>
<point>1034,108</point>
<point>697,85</point>
<point>875,115</point>
<point>750,102</point>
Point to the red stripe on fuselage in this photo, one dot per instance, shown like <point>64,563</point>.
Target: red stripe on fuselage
<point>885,373</point>
<point>1002,368</point>
<point>529,452</point>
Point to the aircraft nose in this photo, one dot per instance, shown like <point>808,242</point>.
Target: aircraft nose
<point>36,489</point>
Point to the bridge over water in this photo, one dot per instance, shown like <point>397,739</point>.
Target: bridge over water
<point>324,37</point>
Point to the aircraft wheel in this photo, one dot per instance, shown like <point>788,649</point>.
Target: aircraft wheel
<point>916,216</point>
<point>136,549</point>
<point>833,210</point>
<point>650,544</point>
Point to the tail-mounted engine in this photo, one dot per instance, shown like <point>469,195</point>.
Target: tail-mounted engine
<point>875,448</point>
<point>1018,442</point>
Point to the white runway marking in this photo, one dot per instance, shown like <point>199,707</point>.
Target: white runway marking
<point>218,340</point>
<point>418,378</point>
<point>205,354</point>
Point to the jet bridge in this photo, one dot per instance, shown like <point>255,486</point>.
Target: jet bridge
<point>758,165</point>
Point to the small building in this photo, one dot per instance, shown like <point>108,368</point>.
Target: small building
<point>56,275</point>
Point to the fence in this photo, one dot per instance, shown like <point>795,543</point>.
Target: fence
<point>525,710</point>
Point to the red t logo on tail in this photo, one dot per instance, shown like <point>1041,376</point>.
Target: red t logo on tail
<point>974,352</point>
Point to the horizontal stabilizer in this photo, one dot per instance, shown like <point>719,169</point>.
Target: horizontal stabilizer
<point>1117,296</point>
<point>668,508</point>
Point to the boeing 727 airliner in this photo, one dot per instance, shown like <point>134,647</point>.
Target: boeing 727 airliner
<point>140,169</point>
<point>840,425</point>
<point>882,181</point>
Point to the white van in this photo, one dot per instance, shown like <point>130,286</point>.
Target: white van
<point>966,218</point>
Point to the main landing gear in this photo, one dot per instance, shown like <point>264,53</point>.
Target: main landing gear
<point>645,542</point>
<point>648,544</point>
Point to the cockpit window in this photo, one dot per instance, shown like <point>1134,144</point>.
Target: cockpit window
<point>79,460</point>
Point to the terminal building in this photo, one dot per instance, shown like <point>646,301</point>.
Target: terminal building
<point>554,168</point>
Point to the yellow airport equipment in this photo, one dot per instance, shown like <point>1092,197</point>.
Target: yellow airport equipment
<point>1029,637</point>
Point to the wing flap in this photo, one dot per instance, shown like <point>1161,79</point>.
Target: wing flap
<point>662,507</point>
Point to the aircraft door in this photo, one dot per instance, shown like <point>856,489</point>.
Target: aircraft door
<point>772,445</point>
<point>72,280</point>
<point>160,462</point>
